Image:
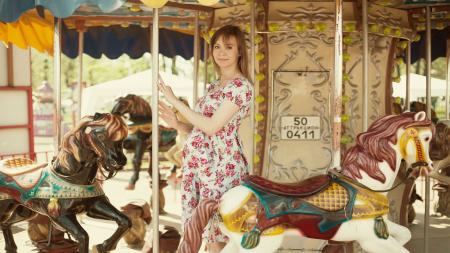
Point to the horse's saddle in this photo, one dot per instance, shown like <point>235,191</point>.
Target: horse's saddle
<point>304,188</point>
<point>167,138</point>
<point>326,196</point>
<point>23,171</point>
<point>143,127</point>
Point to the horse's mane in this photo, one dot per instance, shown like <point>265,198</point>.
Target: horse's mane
<point>372,147</point>
<point>75,140</point>
<point>139,106</point>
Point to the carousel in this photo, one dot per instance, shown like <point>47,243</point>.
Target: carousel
<point>334,155</point>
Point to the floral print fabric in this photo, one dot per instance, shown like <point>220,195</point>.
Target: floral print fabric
<point>214,164</point>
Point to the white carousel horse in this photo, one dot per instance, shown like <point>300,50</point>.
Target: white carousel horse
<point>349,205</point>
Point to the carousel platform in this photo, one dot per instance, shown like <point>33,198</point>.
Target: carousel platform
<point>99,230</point>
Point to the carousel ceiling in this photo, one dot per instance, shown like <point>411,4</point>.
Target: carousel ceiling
<point>120,22</point>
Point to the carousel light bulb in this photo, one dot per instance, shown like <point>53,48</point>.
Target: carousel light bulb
<point>400,61</point>
<point>258,39</point>
<point>247,27</point>
<point>260,77</point>
<point>208,2</point>
<point>346,57</point>
<point>416,37</point>
<point>387,30</point>
<point>259,56</point>
<point>348,40</point>
<point>300,27</point>
<point>259,99</point>
<point>256,159</point>
<point>403,44</point>
<point>320,27</point>
<point>154,3</point>
<point>345,77</point>
<point>259,116</point>
<point>135,8</point>
<point>374,28</point>
<point>349,27</point>
<point>345,139</point>
<point>421,27</point>
<point>273,27</point>
<point>211,33</point>
<point>345,99</point>
<point>258,138</point>
<point>398,32</point>
<point>345,117</point>
<point>398,100</point>
<point>396,79</point>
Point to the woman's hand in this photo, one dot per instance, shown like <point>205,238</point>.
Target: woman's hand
<point>166,91</point>
<point>168,115</point>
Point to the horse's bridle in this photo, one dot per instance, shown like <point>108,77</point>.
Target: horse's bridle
<point>412,133</point>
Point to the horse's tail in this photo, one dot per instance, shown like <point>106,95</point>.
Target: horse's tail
<point>193,229</point>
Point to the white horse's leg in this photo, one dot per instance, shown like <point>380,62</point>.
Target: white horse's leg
<point>382,246</point>
<point>399,232</point>
<point>231,247</point>
<point>362,231</point>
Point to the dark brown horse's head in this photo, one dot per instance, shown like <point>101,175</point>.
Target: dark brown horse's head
<point>440,144</point>
<point>96,140</point>
<point>137,108</point>
<point>416,106</point>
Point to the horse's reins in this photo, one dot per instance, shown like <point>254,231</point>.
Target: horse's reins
<point>335,173</point>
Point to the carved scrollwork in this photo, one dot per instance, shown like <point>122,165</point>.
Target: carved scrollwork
<point>384,16</point>
<point>301,40</point>
<point>311,13</point>
<point>234,16</point>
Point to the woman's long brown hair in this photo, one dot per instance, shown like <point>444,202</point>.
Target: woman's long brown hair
<point>226,32</point>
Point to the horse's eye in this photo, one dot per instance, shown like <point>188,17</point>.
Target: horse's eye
<point>101,136</point>
<point>427,138</point>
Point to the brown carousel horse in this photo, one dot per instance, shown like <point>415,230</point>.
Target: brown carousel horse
<point>140,131</point>
<point>68,186</point>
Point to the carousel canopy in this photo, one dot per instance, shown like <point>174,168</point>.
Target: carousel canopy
<point>116,27</point>
<point>112,27</point>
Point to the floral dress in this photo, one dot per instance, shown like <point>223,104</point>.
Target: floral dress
<point>214,164</point>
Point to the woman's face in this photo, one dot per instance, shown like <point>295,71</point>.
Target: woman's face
<point>225,52</point>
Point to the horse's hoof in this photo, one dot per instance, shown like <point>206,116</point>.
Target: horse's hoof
<point>98,249</point>
<point>130,187</point>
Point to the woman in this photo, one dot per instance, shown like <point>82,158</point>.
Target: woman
<point>213,157</point>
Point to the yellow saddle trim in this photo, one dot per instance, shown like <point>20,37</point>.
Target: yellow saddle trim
<point>243,218</point>
<point>368,204</point>
<point>146,128</point>
<point>18,166</point>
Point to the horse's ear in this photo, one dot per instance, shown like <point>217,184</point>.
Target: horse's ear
<point>98,116</point>
<point>420,116</point>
